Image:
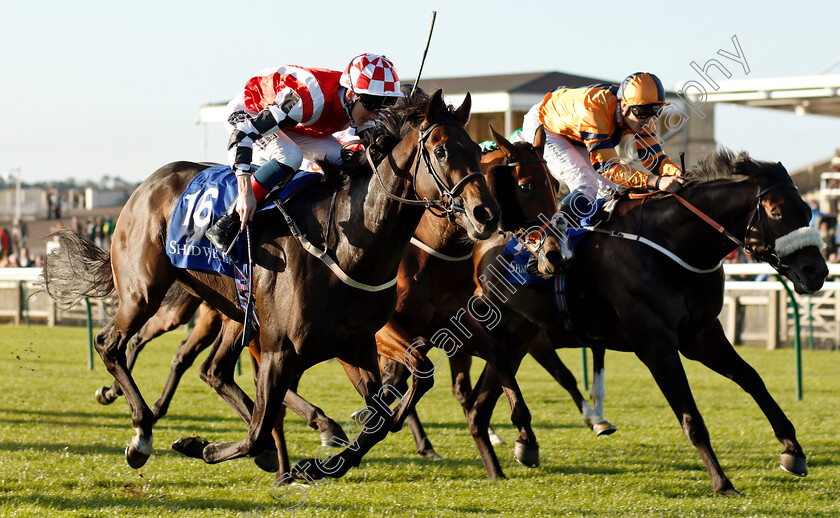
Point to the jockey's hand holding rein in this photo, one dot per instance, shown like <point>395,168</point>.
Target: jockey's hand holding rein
<point>246,202</point>
<point>665,183</point>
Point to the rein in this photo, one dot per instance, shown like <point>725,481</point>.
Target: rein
<point>770,257</point>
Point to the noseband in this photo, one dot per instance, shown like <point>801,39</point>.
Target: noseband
<point>446,202</point>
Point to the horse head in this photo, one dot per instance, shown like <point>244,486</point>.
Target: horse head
<point>449,162</point>
<point>519,180</point>
<point>779,231</point>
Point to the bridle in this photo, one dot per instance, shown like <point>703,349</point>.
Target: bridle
<point>533,234</point>
<point>757,224</point>
<point>446,203</point>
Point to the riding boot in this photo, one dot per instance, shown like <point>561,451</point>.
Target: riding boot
<point>222,234</point>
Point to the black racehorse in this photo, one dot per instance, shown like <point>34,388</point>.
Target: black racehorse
<point>651,282</point>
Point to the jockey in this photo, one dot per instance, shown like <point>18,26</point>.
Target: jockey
<point>583,127</point>
<point>286,114</point>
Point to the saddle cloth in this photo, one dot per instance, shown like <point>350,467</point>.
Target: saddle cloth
<point>205,199</point>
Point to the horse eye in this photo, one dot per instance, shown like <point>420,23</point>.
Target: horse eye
<point>525,187</point>
<point>440,152</point>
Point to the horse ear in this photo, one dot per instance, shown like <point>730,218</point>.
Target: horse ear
<point>434,106</point>
<point>462,114</point>
<point>504,144</point>
<point>539,140</point>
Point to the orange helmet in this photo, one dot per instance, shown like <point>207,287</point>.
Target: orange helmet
<point>641,88</point>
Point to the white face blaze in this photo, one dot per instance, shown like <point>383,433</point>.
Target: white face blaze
<point>797,240</point>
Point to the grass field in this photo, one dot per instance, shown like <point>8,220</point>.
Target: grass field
<point>61,454</point>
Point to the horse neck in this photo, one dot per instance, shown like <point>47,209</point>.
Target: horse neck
<point>730,204</point>
<point>373,251</point>
<point>443,235</point>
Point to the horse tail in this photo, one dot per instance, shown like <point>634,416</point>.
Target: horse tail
<point>77,269</point>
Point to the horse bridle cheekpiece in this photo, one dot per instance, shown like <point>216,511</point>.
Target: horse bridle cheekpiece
<point>447,195</point>
<point>783,245</point>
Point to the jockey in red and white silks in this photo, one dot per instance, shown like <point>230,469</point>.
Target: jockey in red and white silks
<point>289,113</point>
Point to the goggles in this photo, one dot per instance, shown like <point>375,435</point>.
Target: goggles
<point>373,103</point>
<point>645,111</point>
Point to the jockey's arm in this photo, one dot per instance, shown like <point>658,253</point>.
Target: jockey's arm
<point>286,111</point>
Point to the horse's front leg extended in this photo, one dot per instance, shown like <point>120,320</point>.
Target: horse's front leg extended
<point>656,346</point>
<point>711,348</point>
<point>373,421</point>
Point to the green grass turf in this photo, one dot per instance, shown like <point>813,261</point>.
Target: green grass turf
<point>61,453</point>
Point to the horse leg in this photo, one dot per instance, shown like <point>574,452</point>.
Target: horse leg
<point>274,379</point>
<point>598,392</point>
<point>498,356</point>
<point>393,341</point>
<point>375,420</point>
<point>656,347</point>
<point>110,343</point>
<point>219,367</point>
<point>542,349</point>
<point>711,348</point>
<point>459,368</point>
<point>396,375</point>
<point>166,319</point>
<point>329,431</point>
<point>200,338</point>
<point>108,394</point>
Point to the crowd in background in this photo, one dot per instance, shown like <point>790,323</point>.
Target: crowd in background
<point>13,250</point>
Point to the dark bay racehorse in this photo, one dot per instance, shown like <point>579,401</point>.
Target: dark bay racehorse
<point>625,295</point>
<point>306,314</point>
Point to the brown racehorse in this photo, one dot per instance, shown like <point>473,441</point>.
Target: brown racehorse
<point>436,292</point>
<point>624,295</point>
<point>306,314</point>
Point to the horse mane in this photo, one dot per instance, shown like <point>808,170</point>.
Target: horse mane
<point>397,122</point>
<point>728,165</point>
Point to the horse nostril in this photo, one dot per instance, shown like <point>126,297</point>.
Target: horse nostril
<point>482,214</point>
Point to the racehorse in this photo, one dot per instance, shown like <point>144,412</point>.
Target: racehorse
<point>436,293</point>
<point>306,313</point>
<point>623,294</point>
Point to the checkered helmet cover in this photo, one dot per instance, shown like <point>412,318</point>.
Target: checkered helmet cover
<point>372,74</point>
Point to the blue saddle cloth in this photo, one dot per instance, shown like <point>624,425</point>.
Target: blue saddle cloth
<point>205,199</point>
<point>516,258</point>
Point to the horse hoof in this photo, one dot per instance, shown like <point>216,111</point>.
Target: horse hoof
<point>101,398</point>
<point>267,461</point>
<point>430,454</point>
<point>795,465</point>
<point>192,446</point>
<point>495,440</point>
<point>334,436</point>
<point>526,455</point>
<point>138,452</point>
<point>604,428</point>
<point>306,469</point>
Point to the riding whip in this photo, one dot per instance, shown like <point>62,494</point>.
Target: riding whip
<point>425,50</point>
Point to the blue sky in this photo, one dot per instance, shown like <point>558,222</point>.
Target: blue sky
<point>93,88</point>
